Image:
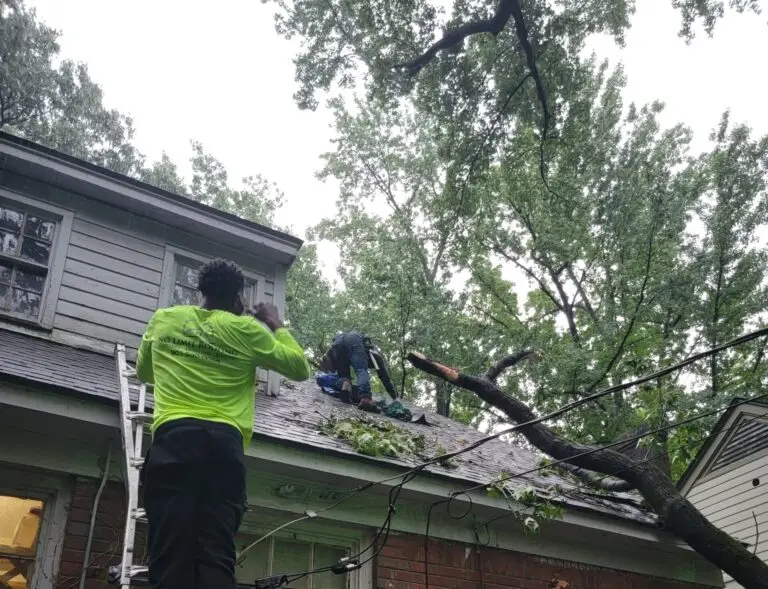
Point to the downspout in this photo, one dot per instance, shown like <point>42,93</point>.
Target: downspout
<point>95,510</point>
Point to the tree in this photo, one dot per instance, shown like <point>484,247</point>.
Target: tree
<point>676,513</point>
<point>59,107</point>
<point>538,172</point>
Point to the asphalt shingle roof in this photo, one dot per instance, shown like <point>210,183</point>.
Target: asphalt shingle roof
<point>295,415</point>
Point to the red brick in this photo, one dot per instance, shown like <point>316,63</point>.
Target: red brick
<point>453,566</point>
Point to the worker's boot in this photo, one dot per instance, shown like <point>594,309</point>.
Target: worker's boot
<point>345,396</point>
<point>367,404</point>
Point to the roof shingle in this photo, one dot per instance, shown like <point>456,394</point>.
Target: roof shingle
<point>295,417</point>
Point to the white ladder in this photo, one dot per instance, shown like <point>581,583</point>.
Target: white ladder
<point>132,425</point>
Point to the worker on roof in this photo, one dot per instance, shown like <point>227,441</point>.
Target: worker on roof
<point>202,362</point>
<point>350,352</point>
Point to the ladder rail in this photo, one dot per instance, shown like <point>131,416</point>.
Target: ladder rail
<point>132,428</point>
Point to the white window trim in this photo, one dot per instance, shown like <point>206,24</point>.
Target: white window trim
<point>169,273</point>
<point>57,496</point>
<point>59,247</point>
<point>355,542</point>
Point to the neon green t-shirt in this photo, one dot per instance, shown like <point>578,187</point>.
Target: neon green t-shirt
<point>203,364</point>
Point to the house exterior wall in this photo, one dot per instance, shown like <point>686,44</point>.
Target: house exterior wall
<point>106,545</point>
<point>110,269</point>
<point>736,501</point>
<point>454,565</point>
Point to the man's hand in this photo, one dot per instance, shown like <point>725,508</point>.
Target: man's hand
<point>268,314</point>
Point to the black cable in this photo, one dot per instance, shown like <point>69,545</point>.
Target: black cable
<point>413,472</point>
<point>595,449</point>
<point>590,487</point>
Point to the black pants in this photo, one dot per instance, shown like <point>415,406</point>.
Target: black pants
<point>194,495</point>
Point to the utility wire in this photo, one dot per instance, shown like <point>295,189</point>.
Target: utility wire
<point>413,472</point>
<point>621,442</point>
<point>582,486</point>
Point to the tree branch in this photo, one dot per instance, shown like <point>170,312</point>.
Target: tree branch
<point>597,480</point>
<point>506,362</point>
<point>676,514</point>
<point>493,25</point>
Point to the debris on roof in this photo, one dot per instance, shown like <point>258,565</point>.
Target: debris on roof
<point>297,415</point>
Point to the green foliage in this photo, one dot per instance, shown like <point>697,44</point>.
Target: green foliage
<point>57,105</point>
<point>374,437</point>
<point>525,503</point>
<point>452,245</point>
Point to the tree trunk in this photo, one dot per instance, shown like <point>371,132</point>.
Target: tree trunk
<point>443,394</point>
<point>676,514</point>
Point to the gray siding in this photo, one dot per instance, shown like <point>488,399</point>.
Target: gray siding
<point>729,500</point>
<point>113,272</point>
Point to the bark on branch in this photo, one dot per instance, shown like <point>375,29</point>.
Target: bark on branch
<point>506,362</point>
<point>676,514</point>
<point>493,25</point>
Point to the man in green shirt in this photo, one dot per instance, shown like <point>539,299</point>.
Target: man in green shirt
<point>202,362</point>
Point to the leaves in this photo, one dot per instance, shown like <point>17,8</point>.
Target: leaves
<point>374,437</point>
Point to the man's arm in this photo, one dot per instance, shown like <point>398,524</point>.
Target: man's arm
<point>381,370</point>
<point>273,346</point>
<point>144,370</point>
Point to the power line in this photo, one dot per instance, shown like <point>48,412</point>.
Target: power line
<point>413,472</point>
<point>564,494</point>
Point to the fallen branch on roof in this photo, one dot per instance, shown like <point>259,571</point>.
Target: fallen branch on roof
<point>676,514</point>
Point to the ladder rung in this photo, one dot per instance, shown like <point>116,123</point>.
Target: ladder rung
<point>142,416</point>
<point>137,462</point>
<point>129,372</point>
<point>137,573</point>
<point>140,515</point>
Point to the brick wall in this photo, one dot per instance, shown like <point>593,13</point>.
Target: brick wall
<point>457,566</point>
<point>106,547</point>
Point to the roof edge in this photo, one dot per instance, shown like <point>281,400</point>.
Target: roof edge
<point>155,192</point>
<point>713,438</point>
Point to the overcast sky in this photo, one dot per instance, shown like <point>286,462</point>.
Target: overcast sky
<point>218,73</point>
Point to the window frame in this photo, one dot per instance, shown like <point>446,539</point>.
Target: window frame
<point>168,279</point>
<point>56,497</point>
<point>353,541</point>
<point>59,244</point>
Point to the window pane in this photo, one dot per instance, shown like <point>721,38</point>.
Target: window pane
<point>185,296</point>
<point>186,275</point>
<point>249,293</point>
<point>5,297</point>
<point>11,220</point>
<point>327,556</point>
<point>9,242</point>
<point>19,531</point>
<point>5,273</point>
<point>292,557</point>
<point>36,251</point>
<point>256,562</point>
<point>40,228</point>
<point>25,302</point>
<point>29,281</point>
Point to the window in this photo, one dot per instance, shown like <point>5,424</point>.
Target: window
<point>279,556</point>
<point>180,281</point>
<point>20,521</point>
<point>33,238</point>
<point>26,245</point>
<point>185,285</point>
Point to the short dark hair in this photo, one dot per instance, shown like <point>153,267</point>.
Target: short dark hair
<point>220,280</point>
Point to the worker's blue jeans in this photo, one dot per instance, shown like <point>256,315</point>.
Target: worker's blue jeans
<point>350,354</point>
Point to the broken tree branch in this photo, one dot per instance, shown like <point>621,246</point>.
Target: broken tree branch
<point>594,479</point>
<point>676,514</point>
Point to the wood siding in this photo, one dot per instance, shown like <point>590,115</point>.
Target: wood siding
<point>732,501</point>
<point>113,272</point>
